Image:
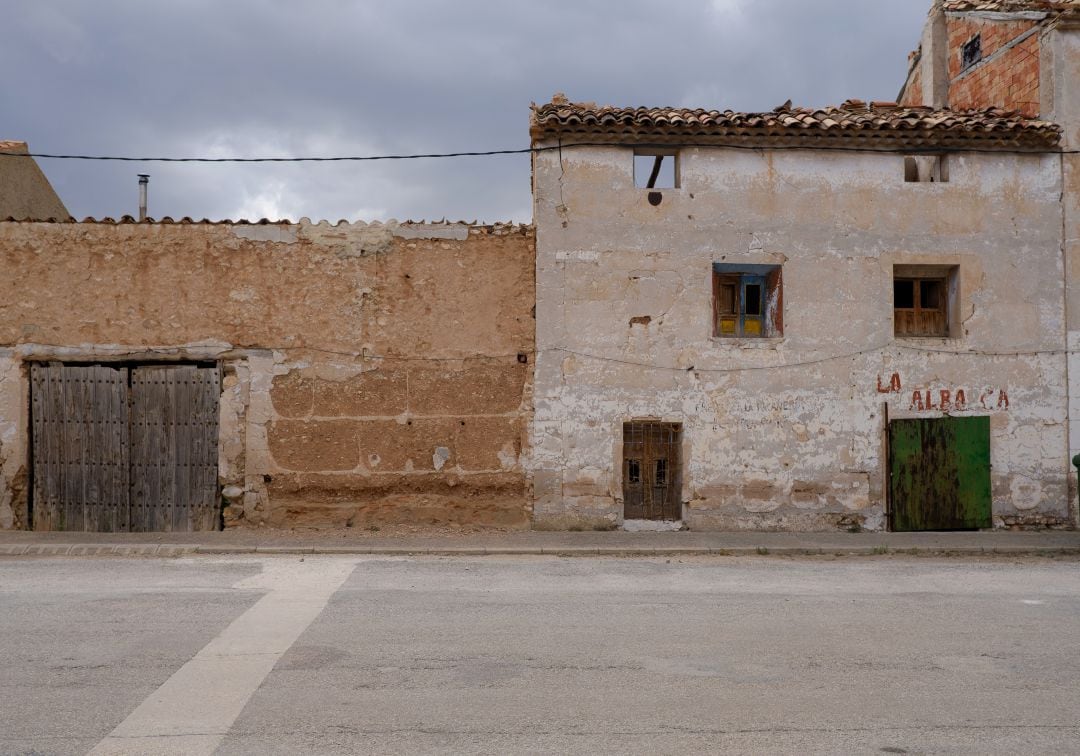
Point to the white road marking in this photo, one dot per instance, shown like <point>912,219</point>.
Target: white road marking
<point>195,708</point>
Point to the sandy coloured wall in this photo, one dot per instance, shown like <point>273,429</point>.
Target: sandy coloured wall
<point>373,373</point>
<point>788,432</point>
<point>25,192</point>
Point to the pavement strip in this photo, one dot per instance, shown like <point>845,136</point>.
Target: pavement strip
<point>194,709</point>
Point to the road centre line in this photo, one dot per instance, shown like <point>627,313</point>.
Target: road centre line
<point>194,709</point>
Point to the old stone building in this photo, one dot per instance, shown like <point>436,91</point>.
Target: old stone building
<point>1021,55</point>
<point>860,317</point>
<point>738,312</point>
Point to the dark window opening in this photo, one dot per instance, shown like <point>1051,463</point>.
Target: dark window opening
<point>911,170</point>
<point>747,300</point>
<point>927,169</point>
<point>971,52</point>
<point>903,294</point>
<point>655,170</point>
<point>753,299</point>
<point>633,471</point>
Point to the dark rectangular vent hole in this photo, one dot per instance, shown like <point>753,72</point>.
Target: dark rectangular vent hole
<point>904,294</point>
<point>753,299</point>
<point>971,52</point>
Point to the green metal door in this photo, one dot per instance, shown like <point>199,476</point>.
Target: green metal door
<point>939,474</point>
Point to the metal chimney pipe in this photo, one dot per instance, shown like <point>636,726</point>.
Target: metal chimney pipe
<point>144,180</point>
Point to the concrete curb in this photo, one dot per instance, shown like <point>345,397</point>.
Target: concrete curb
<point>179,550</point>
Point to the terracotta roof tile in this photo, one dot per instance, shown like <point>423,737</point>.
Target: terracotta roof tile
<point>877,124</point>
<point>124,220</point>
<point>1011,6</point>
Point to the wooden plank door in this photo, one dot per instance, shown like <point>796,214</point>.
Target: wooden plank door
<point>651,471</point>
<point>174,431</point>
<point>939,474</point>
<point>79,447</point>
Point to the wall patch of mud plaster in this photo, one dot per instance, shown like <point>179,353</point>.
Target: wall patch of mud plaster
<point>370,370</point>
<point>13,456</point>
<point>787,433</point>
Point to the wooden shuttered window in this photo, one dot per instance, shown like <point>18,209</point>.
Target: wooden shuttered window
<point>747,302</point>
<point>923,299</point>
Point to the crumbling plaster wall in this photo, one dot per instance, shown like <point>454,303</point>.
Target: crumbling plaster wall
<point>1061,104</point>
<point>787,433</point>
<point>373,373</point>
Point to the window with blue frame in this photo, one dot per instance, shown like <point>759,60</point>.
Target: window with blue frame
<point>747,301</point>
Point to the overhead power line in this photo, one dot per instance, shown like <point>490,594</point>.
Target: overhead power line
<point>331,159</point>
<point>526,151</point>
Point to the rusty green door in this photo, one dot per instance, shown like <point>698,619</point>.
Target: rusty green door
<point>939,474</point>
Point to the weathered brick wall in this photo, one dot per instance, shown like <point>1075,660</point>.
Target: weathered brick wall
<point>912,94</point>
<point>1010,80</point>
<point>373,373</point>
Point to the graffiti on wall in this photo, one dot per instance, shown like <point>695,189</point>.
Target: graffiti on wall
<point>950,399</point>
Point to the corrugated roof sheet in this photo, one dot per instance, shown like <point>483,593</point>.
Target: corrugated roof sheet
<point>876,124</point>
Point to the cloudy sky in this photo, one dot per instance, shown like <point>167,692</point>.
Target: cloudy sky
<point>258,78</point>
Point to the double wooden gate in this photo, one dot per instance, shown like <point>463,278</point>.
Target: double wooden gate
<point>125,448</point>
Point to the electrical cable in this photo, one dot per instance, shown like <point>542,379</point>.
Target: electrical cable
<point>127,350</point>
<point>534,150</point>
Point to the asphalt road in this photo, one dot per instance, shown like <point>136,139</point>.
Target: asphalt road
<point>246,655</point>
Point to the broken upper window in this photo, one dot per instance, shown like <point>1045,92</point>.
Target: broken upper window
<point>926,168</point>
<point>923,299</point>
<point>747,300</point>
<point>656,169</point>
<point>971,52</point>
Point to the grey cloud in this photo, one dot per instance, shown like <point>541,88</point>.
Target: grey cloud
<point>336,77</point>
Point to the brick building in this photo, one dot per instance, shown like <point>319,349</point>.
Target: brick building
<point>983,53</point>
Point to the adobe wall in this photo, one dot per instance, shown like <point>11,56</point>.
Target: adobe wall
<point>25,192</point>
<point>788,433</point>
<point>373,373</point>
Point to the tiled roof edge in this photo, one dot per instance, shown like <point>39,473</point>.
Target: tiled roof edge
<point>1011,6</point>
<point>126,220</point>
<point>853,124</point>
